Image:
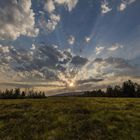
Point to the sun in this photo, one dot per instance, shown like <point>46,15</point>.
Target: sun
<point>71,84</point>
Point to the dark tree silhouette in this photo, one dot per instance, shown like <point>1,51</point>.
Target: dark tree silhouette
<point>17,94</point>
<point>128,89</point>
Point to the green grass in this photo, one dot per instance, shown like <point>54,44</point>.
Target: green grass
<point>70,119</point>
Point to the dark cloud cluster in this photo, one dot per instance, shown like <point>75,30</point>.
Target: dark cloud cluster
<point>117,66</point>
<point>115,62</point>
<point>88,81</point>
<point>40,62</point>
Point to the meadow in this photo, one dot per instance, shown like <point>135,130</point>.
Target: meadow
<point>70,118</point>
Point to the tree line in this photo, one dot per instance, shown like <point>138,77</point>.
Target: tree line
<point>128,89</point>
<point>18,94</point>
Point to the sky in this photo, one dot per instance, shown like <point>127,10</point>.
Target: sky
<point>66,45</point>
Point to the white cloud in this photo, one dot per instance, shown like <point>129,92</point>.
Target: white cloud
<point>33,47</point>
<point>124,4</point>
<point>105,7</point>
<point>71,40</point>
<point>49,6</point>
<point>51,24</point>
<point>17,18</point>
<point>98,50</point>
<point>4,49</point>
<point>87,39</point>
<point>70,4</point>
<point>115,47</point>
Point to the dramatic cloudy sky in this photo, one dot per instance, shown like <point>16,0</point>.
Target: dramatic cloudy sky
<point>62,45</point>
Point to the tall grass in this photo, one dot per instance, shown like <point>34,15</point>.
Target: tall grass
<point>70,119</point>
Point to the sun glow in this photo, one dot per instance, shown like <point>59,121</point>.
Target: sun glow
<point>71,84</point>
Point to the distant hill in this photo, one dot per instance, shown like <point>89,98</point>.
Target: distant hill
<point>68,94</point>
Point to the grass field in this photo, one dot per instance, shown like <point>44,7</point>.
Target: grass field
<point>70,119</point>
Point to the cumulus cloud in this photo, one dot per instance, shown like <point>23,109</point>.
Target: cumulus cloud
<point>17,18</point>
<point>105,7</point>
<point>124,4</point>
<point>50,7</point>
<point>71,40</point>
